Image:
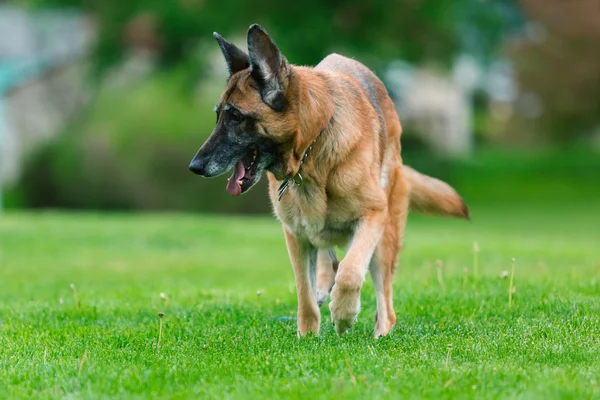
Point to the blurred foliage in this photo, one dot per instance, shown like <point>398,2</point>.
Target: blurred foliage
<point>414,30</point>
<point>558,63</point>
<point>133,150</point>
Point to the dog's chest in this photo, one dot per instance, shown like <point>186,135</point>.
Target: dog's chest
<point>310,215</point>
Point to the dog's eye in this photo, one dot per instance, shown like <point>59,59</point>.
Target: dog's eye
<point>235,115</point>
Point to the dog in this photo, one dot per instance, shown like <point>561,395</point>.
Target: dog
<point>328,139</point>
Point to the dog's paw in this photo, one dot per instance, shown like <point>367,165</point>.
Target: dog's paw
<point>321,296</point>
<point>344,307</point>
<point>307,335</point>
<point>325,282</point>
<point>308,322</point>
<point>383,326</point>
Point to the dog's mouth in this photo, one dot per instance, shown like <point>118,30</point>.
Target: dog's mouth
<point>245,173</point>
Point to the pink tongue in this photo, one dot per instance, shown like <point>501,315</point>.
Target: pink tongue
<point>233,186</point>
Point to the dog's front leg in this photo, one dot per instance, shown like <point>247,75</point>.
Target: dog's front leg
<point>304,261</point>
<point>345,294</point>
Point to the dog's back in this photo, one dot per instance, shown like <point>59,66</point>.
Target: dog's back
<point>427,195</point>
<point>372,86</point>
<point>374,90</point>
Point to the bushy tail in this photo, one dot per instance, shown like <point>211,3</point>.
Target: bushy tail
<point>434,197</point>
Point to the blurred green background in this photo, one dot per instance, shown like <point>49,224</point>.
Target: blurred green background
<point>103,103</point>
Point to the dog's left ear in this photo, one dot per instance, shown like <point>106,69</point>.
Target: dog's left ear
<point>235,57</point>
<point>269,67</point>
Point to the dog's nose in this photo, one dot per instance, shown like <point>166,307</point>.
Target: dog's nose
<point>197,166</point>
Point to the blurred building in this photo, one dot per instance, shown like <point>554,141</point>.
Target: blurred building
<point>438,105</point>
<point>41,78</point>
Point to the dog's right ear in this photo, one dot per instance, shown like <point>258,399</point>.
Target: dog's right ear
<point>236,59</point>
<point>269,67</point>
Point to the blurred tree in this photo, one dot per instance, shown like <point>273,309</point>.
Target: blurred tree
<point>133,149</point>
<point>558,68</point>
<point>415,30</point>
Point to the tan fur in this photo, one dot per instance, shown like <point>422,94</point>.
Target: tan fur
<point>432,196</point>
<point>355,189</point>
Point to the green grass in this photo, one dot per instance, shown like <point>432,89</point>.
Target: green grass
<point>221,340</point>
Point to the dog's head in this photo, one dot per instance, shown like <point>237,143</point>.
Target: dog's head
<point>256,124</point>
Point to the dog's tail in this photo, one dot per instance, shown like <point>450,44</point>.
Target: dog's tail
<point>433,197</point>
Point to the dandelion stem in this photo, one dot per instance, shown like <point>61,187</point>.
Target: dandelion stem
<point>83,358</point>
<point>439,275</point>
<point>160,328</point>
<point>75,296</point>
<point>510,288</point>
<point>164,297</point>
<point>448,355</point>
<point>475,263</point>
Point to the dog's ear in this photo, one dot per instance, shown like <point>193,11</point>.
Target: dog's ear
<point>235,57</point>
<point>269,67</point>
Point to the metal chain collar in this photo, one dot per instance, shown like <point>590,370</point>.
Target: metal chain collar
<point>297,179</point>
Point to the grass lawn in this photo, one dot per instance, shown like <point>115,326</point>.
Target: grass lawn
<point>220,339</point>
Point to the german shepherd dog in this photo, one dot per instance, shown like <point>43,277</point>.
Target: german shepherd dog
<point>328,139</point>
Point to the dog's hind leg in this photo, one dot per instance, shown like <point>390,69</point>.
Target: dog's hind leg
<point>383,264</point>
<point>382,268</point>
<point>327,265</point>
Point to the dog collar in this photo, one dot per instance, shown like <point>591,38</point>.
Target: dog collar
<point>296,180</point>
